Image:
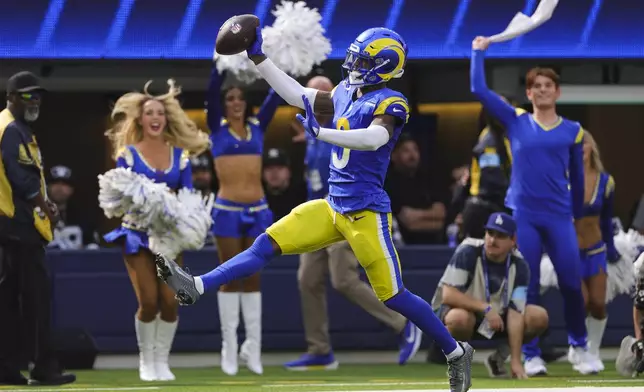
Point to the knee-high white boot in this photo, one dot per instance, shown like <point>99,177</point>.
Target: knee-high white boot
<point>145,336</point>
<point>251,349</point>
<point>162,346</point>
<point>229,320</point>
<point>596,330</point>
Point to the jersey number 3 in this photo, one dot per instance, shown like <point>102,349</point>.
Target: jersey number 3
<point>343,161</point>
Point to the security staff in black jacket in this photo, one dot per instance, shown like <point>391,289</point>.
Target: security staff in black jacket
<point>489,178</point>
<point>26,218</point>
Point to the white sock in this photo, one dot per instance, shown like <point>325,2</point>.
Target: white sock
<point>458,351</point>
<point>199,285</point>
<point>595,329</point>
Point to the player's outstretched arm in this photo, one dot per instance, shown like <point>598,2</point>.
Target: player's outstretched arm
<point>287,87</point>
<point>497,107</point>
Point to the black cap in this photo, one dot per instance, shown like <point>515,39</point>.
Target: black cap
<point>23,82</point>
<point>200,162</point>
<point>60,173</point>
<point>276,157</point>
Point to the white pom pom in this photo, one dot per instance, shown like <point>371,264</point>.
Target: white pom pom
<point>621,279</point>
<point>296,41</point>
<point>239,65</point>
<point>548,276</point>
<point>167,244</point>
<point>629,244</point>
<point>143,202</point>
<point>195,220</point>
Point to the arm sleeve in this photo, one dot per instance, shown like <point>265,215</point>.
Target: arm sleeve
<point>519,296</point>
<point>363,139</point>
<point>213,100</point>
<point>576,173</point>
<point>460,270</point>
<point>22,171</point>
<point>268,109</point>
<point>287,87</point>
<point>606,220</point>
<point>497,107</point>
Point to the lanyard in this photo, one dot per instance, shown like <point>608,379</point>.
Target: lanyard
<point>505,293</point>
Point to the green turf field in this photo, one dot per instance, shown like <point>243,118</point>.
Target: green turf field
<point>415,377</point>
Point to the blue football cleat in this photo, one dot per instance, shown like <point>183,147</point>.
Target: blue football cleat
<point>410,339</point>
<point>313,362</point>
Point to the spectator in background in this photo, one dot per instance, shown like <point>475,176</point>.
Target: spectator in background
<point>202,173</point>
<point>26,220</point>
<point>202,180</point>
<point>281,193</point>
<point>483,293</point>
<point>419,211</point>
<point>69,233</point>
<point>489,177</point>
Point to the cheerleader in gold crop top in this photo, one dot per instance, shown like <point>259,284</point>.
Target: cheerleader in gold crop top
<point>152,136</point>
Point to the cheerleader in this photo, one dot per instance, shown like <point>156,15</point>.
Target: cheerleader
<point>241,212</point>
<point>152,136</point>
<point>596,245</point>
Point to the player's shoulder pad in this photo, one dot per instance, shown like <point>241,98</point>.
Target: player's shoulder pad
<point>253,120</point>
<point>393,104</point>
<point>184,161</point>
<point>519,112</point>
<point>126,154</point>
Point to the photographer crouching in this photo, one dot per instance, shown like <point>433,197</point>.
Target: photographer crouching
<point>483,292</point>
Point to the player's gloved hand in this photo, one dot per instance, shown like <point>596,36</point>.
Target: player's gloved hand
<point>309,122</point>
<point>256,48</point>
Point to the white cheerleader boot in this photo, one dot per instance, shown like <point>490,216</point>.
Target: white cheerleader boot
<point>145,336</point>
<point>229,320</point>
<point>162,346</point>
<point>596,330</point>
<point>251,349</point>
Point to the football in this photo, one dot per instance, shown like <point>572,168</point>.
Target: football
<point>236,34</point>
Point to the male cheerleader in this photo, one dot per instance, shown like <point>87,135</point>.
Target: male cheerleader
<point>546,193</point>
<point>369,118</point>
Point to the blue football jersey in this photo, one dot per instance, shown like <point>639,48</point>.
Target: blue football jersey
<point>357,178</point>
